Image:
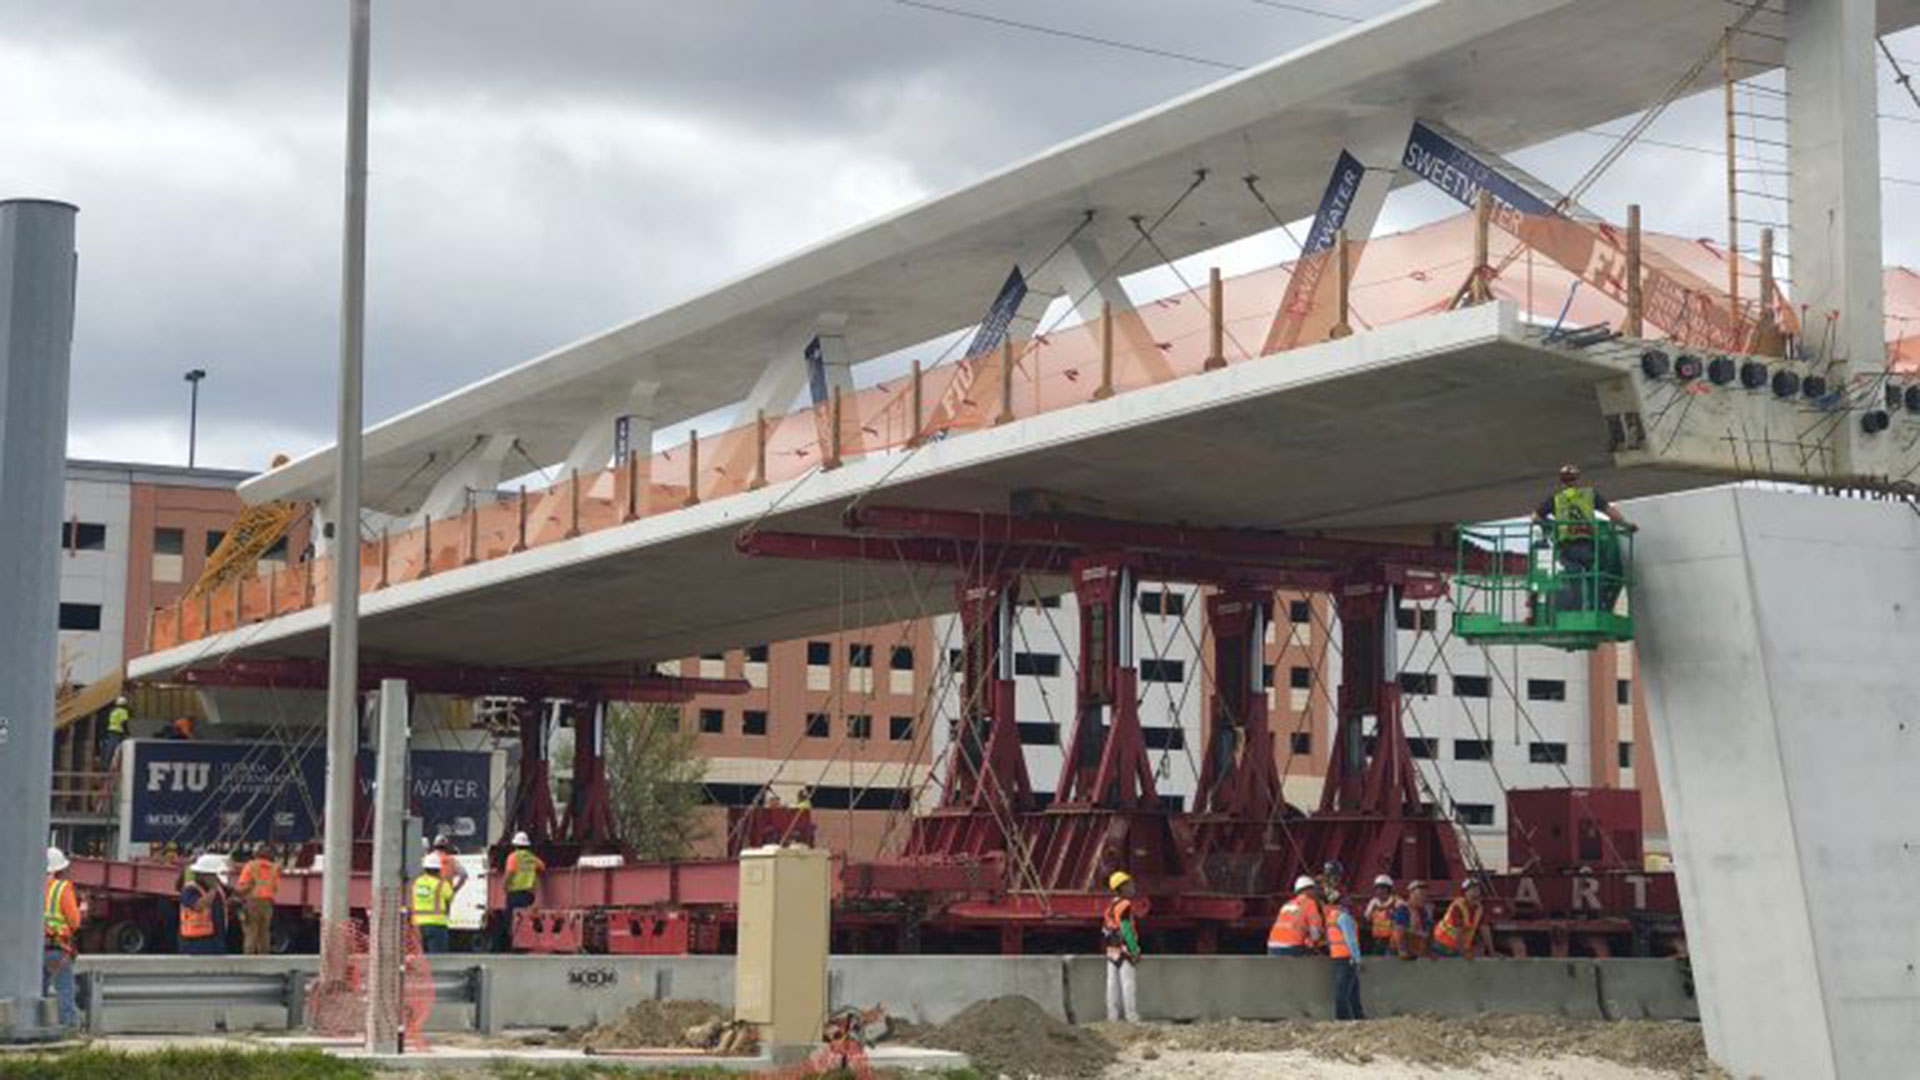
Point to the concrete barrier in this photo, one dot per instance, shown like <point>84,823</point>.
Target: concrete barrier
<point>154,995</point>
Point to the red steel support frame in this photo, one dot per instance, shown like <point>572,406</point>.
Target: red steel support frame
<point>589,824</point>
<point>987,787</point>
<point>533,801</point>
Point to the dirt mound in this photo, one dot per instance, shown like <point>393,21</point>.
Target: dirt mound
<point>1675,1048</point>
<point>652,1024</point>
<point>1012,1036</point>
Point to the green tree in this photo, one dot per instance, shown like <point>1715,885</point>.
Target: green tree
<point>654,776</point>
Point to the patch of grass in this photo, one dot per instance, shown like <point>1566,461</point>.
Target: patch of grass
<point>183,1064</point>
<point>514,1070</point>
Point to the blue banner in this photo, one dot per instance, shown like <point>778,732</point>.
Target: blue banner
<point>1455,170</point>
<point>993,328</point>
<point>202,795</point>
<point>1335,204</point>
<point>816,370</point>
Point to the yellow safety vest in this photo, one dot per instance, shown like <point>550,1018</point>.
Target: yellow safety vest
<point>1573,512</point>
<point>523,871</point>
<point>432,899</point>
<point>117,720</point>
<point>57,929</point>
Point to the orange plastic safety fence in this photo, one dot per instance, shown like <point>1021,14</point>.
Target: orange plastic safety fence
<point>1553,269</point>
<point>337,1001</point>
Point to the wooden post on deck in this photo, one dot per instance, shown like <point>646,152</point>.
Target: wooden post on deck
<point>385,539</point>
<point>1216,323</point>
<point>633,486</point>
<point>1006,381</point>
<point>1105,389</point>
<point>693,469</point>
<point>1343,286</point>
<point>759,451</point>
<point>426,546</point>
<point>1635,325</point>
<point>833,432</point>
<point>573,504</point>
<point>520,537</point>
<point>1479,289</point>
<point>473,530</point>
<point>916,397</point>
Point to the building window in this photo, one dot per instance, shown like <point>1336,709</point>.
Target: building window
<point>83,536</point>
<point>819,653</point>
<point>1164,738</point>
<point>900,728</point>
<point>1547,753</point>
<point>276,552</point>
<point>1163,671</point>
<point>1299,611</point>
<point>1039,734</point>
<point>1424,749</point>
<point>859,726</point>
<point>169,555</point>
<point>818,726</point>
<point>1473,813</point>
<point>1626,755</point>
<point>756,654</point>
<point>1419,682</point>
<point>719,657</point>
<point>1473,749</point>
<point>1163,602</point>
<point>1301,742</point>
<point>1477,686</point>
<point>860,655</point>
<point>1623,691</point>
<point>79,617</point>
<point>1045,665</point>
<point>667,719</point>
<point>1266,676</point>
<point>1300,678</point>
<point>901,658</point>
<point>713,721</point>
<point>1546,690</point>
<point>753,722</point>
<point>1415,618</point>
<point>214,536</point>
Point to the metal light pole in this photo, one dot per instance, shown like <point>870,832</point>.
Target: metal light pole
<point>36,339</point>
<point>343,646</point>
<point>193,413</point>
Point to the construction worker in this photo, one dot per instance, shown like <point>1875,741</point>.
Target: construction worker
<point>119,719</point>
<point>1379,916</point>
<point>522,884</point>
<point>1568,514</point>
<point>1301,926</point>
<point>181,730</point>
<point>203,908</point>
<point>259,884</point>
<point>63,912</point>
<point>1120,936</point>
<point>1343,946</point>
<point>1413,923</point>
<point>450,866</point>
<point>432,901</point>
<point>1463,930</point>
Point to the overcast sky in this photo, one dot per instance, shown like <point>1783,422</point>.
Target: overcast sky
<point>544,170</point>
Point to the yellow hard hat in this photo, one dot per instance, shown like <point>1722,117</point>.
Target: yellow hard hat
<point>1117,879</point>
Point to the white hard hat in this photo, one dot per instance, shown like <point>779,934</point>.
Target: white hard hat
<point>1304,881</point>
<point>210,863</point>
<point>1384,879</point>
<point>430,861</point>
<point>56,860</point>
<point>520,839</point>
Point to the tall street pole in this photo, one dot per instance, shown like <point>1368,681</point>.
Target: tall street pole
<point>36,344</point>
<point>343,644</point>
<point>193,414</point>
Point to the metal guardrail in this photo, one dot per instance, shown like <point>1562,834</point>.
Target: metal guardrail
<point>103,992</point>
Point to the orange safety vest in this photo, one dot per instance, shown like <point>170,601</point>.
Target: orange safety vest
<point>1457,928</point>
<point>196,923</point>
<point>260,879</point>
<point>1119,910</point>
<point>1338,946</point>
<point>58,931</point>
<point>1295,926</point>
<point>1380,918</point>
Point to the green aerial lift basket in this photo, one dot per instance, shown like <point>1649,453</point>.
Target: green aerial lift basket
<point>1517,583</point>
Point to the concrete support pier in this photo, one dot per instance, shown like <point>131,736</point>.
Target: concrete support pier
<point>1780,646</point>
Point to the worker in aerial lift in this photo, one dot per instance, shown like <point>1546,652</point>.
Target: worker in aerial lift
<point>1463,931</point>
<point>203,908</point>
<point>1413,923</point>
<point>1120,936</point>
<point>1379,914</point>
<point>1343,946</point>
<point>522,883</point>
<point>119,720</point>
<point>1568,514</point>
<point>1300,928</point>
<point>63,912</point>
<point>259,883</point>
<point>432,902</point>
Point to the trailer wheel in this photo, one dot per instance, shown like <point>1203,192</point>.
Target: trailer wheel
<point>128,937</point>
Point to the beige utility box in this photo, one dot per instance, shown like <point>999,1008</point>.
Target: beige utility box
<point>780,966</point>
